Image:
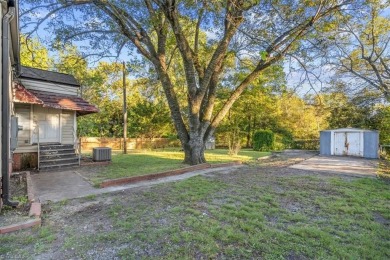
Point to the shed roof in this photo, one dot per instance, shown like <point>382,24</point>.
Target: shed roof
<point>48,76</point>
<point>52,100</point>
<point>348,129</point>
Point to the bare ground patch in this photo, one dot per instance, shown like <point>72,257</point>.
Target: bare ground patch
<point>18,192</point>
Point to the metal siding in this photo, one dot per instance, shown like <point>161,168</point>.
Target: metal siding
<point>353,144</point>
<point>325,143</point>
<point>348,143</point>
<point>371,145</point>
<point>339,143</point>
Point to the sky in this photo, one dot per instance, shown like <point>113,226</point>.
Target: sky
<point>293,78</point>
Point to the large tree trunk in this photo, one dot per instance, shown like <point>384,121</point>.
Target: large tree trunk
<point>194,151</point>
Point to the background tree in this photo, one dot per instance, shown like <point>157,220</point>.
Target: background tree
<point>359,49</point>
<point>102,86</point>
<point>34,54</point>
<point>256,108</point>
<point>264,30</point>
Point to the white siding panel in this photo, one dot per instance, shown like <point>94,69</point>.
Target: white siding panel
<point>50,87</point>
<point>22,111</point>
<point>67,127</point>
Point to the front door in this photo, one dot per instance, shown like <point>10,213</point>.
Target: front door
<point>48,120</point>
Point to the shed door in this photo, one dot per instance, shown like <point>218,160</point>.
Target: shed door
<point>354,144</point>
<point>48,120</point>
<point>348,143</point>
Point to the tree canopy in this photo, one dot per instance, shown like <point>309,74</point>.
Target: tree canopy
<point>194,48</point>
<point>358,49</point>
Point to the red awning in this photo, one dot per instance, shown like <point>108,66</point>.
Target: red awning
<point>52,100</point>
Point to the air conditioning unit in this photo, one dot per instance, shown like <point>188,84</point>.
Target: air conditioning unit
<point>101,154</point>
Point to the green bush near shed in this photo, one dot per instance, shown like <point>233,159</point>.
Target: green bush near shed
<point>263,140</point>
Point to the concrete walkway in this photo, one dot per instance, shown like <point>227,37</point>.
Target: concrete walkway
<point>61,185</point>
<point>341,165</point>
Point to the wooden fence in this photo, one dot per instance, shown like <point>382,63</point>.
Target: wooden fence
<point>87,143</point>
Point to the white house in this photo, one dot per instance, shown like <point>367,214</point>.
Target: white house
<point>43,104</point>
<point>47,104</point>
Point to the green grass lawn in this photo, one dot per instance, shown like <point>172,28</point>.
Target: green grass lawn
<point>154,161</point>
<point>253,213</point>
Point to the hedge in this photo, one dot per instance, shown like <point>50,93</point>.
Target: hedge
<point>263,140</point>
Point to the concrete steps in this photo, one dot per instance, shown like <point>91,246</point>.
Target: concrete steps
<point>56,156</point>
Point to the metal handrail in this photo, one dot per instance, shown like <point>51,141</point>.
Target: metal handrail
<point>36,131</point>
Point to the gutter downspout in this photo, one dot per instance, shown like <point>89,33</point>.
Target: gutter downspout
<point>5,119</point>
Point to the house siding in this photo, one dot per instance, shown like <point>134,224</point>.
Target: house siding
<point>67,127</point>
<point>23,112</point>
<point>50,87</point>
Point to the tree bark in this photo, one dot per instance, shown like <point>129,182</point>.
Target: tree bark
<point>194,149</point>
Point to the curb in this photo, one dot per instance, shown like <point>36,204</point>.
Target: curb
<point>35,211</point>
<point>35,207</point>
<point>30,189</point>
<point>127,180</point>
<point>19,226</point>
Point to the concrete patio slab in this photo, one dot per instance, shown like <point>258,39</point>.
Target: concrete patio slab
<point>340,164</point>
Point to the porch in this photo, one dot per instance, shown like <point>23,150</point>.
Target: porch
<point>47,104</point>
<point>48,138</point>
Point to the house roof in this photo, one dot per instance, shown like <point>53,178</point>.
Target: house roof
<point>48,76</point>
<point>52,100</point>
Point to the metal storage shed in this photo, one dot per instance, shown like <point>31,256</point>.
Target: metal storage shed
<point>350,142</point>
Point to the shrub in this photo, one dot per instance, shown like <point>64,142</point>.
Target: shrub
<point>283,140</point>
<point>263,140</point>
<point>309,144</point>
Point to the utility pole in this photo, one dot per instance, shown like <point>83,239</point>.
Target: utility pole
<point>124,110</point>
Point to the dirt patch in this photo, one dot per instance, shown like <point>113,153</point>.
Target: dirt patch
<point>18,192</point>
<point>381,220</point>
<point>291,205</point>
<point>286,158</point>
